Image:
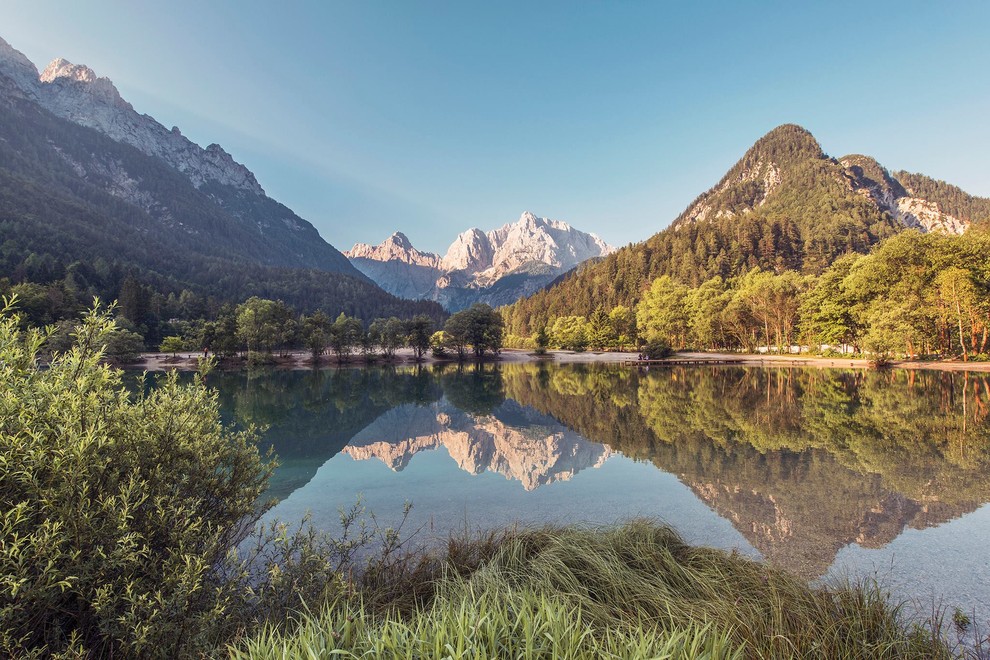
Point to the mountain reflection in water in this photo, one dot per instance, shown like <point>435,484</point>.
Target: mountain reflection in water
<point>801,463</point>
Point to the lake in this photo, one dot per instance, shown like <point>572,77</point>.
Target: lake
<point>827,473</point>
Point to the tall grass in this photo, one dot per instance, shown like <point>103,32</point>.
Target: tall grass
<point>636,590</point>
<point>466,623</point>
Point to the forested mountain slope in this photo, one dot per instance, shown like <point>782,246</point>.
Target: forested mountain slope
<point>785,205</point>
<point>77,203</point>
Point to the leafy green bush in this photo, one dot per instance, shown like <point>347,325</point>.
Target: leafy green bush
<point>657,350</point>
<point>117,514</point>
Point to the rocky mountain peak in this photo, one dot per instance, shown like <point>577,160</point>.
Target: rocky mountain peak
<point>62,68</point>
<point>16,66</point>
<point>756,176</point>
<point>63,72</point>
<point>400,240</point>
<point>471,251</point>
<point>395,248</point>
<point>534,250</point>
<point>76,93</point>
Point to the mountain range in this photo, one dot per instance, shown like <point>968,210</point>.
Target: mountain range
<point>514,441</point>
<point>93,193</point>
<point>496,267</point>
<point>785,205</point>
<point>90,186</point>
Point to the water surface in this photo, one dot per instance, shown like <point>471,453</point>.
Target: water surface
<point>826,473</point>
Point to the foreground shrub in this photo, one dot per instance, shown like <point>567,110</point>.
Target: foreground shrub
<point>117,513</point>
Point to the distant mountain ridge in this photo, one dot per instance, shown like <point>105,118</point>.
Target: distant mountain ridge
<point>785,205</point>
<point>496,267</point>
<point>86,179</point>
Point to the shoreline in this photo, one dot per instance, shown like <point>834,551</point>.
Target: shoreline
<point>157,361</point>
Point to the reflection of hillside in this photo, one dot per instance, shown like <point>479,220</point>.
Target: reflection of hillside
<point>801,462</point>
<point>512,441</point>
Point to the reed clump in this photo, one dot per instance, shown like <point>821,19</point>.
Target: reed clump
<point>635,590</point>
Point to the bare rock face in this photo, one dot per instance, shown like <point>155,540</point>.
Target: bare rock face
<point>76,93</point>
<point>538,240</point>
<point>394,248</point>
<point>868,178</point>
<point>532,250</point>
<point>408,272</point>
<point>471,251</point>
<point>19,69</point>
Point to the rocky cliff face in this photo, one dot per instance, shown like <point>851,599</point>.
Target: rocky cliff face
<point>870,179</point>
<point>496,267</point>
<point>75,92</point>
<point>534,455</point>
<point>398,267</point>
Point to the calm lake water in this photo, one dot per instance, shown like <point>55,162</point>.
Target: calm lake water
<point>827,473</point>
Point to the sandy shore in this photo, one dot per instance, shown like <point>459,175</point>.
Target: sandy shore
<point>301,360</point>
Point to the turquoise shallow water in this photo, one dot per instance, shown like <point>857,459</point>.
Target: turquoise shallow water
<point>827,473</point>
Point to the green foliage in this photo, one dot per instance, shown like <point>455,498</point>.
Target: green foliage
<point>950,199</point>
<point>657,349</point>
<point>479,327</point>
<point>345,335</point>
<point>122,346</point>
<point>258,324</point>
<point>601,333</point>
<point>391,335</point>
<point>117,512</point>
<point>220,336</point>
<point>172,344</point>
<point>624,325</point>
<point>418,333</point>
<point>542,340</point>
<point>316,333</point>
<point>915,294</point>
<point>662,313</point>
<point>468,622</point>
<point>570,332</point>
<point>784,206</point>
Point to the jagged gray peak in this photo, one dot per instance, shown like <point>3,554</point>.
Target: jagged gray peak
<point>490,255</point>
<point>16,66</point>
<point>534,250</point>
<point>74,92</point>
<point>396,247</point>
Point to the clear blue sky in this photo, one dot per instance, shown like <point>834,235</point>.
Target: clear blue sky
<point>366,117</point>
